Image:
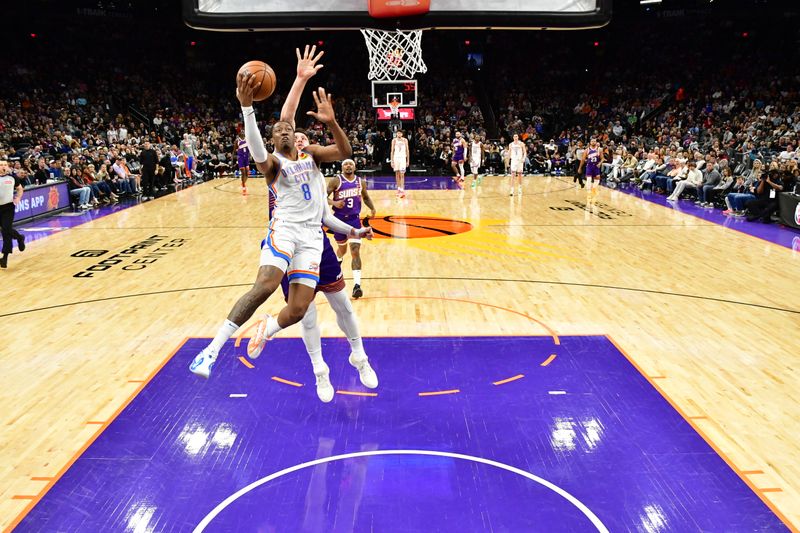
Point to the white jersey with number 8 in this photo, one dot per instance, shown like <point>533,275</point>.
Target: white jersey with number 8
<point>298,190</point>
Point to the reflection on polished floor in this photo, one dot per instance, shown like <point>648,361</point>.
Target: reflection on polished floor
<point>552,362</point>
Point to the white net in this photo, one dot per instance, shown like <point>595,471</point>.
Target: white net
<point>394,54</point>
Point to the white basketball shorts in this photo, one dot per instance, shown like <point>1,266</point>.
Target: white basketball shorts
<point>296,249</point>
<point>399,164</point>
<point>474,165</point>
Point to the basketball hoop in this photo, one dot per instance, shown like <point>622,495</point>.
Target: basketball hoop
<point>394,54</point>
<point>394,109</point>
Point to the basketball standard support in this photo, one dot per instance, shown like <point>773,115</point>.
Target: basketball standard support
<point>381,9</point>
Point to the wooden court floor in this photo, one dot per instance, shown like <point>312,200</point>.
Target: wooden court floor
<point>710,315</point>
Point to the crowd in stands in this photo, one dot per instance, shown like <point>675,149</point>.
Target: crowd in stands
<point>719,134</point>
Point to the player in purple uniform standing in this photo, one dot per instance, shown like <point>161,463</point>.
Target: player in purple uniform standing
<point>348,190</point>
<point>459,156</point>
<point>592,158</point>
<point>243,158</point>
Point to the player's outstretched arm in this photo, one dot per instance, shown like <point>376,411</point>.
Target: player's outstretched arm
<point>306,69</point>
<point>245,86</point>
<point>345,229</point>
<point>335,152</point>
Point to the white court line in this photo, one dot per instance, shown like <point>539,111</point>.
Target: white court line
<point>555,488</point>
<point>238,396</point>
<point>556,392</point>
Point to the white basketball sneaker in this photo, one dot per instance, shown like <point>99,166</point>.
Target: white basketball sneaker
<point>203,363</point>
<point>324,387</point>
<point>256,343</point>
<point>367,376</point>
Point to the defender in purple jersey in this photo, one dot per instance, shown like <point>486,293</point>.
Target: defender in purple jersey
<point>459,156</point>
<point>592,158</point>
<point>243,159</point>
<point>348,190</point>
<point>331,284</point>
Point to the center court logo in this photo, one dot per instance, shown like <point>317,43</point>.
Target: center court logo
<point>408,227</point>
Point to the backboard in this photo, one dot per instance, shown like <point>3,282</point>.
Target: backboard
<point>404,91</point>
<point>276,15</point>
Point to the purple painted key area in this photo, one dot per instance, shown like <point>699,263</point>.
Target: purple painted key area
<point>584,437</point>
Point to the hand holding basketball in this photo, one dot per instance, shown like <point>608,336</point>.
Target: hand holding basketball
<point>307,63</point>
<point>263,80</point>
<point>324,106</point>
<point>245,87</point>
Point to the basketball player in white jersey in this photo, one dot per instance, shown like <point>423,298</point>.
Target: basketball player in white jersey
<point>294,242</point>
<point>517,152</point>
<point>476,155</point>
<point>401,160</point>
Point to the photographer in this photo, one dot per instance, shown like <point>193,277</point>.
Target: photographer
<point>770,184</point>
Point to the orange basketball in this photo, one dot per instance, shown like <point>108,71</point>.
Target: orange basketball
<point>265,78</point>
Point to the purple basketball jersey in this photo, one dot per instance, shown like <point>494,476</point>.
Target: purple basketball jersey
<point>243,153</point>
<point>592,162</point>
<point>458,150</point>
<point>350,192</point>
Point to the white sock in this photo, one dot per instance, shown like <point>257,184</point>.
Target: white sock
<point>357,277</point>
<point>461,170</point>
<point>225,332</point>
<point>272,326</point>
<point>312,338</point>
<point>346,318</point>
<point>340,259</point>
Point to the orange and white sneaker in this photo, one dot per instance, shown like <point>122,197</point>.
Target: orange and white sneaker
<point>259,339</point>
<point>401,193</point>
<point>244,191</point>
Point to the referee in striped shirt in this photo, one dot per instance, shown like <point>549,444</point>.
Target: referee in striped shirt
<point>9,185</point>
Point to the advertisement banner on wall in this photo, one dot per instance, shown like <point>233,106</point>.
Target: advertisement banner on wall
<point>406,113</point>
<point>43,199</point>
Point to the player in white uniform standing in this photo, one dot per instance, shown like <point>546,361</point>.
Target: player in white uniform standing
<point>475,159</point>
<point>517,152</point>
<point>401,160</point>
<point>294,242</point>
